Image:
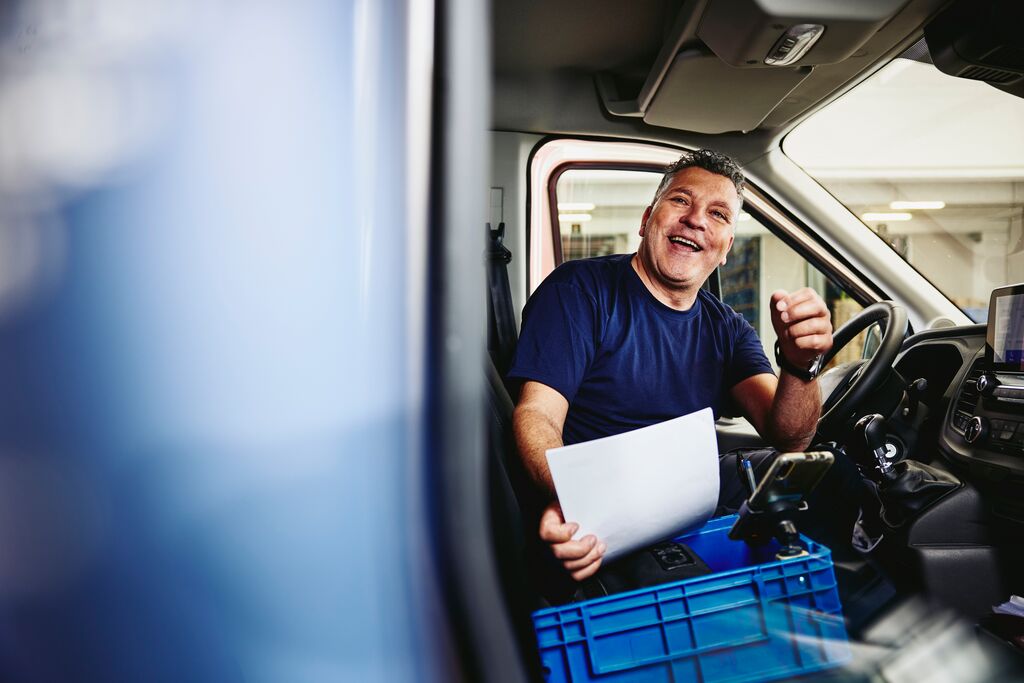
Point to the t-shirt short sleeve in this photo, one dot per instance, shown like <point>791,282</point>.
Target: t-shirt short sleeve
<point>748,358</point>
<point>558,338</point>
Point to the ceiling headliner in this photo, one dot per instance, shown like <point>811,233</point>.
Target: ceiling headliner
<point>546,56</point>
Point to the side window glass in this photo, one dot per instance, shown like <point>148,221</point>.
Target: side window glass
<point>599,212</point>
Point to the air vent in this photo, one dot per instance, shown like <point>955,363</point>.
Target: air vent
<point>967,401</point>
<point>988,74</point>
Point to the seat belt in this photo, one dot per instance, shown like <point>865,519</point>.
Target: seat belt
<point>502,333</point>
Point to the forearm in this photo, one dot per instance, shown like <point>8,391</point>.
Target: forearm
<point>537,423</point>
<point>794,415</point>
<point>535,433</point>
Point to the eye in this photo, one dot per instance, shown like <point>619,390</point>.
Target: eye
<point>720,216</point>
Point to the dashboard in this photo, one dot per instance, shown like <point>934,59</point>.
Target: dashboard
<point>952,411</point>
<point>970,408</point>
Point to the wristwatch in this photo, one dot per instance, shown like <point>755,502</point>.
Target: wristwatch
<point>806,374</point>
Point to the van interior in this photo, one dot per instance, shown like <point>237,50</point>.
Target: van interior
<point>254,417</point>
<point>866,183</point>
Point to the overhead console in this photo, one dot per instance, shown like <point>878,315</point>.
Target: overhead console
<point>768,34</point>
<point>757,50</point>
<point>989,411</point>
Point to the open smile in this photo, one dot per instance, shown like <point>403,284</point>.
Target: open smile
<point>683,242</point>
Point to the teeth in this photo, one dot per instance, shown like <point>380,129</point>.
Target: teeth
<point>680,240</point>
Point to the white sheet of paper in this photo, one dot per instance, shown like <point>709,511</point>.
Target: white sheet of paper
<point>1014,607</point>
<point>637,488</point>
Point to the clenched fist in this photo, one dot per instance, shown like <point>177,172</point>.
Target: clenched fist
<point>802,323</point>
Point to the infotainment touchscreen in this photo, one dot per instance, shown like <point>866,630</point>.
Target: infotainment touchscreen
<point>1005,350</point>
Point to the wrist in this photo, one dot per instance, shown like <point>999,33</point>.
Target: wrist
<point>807,372</point>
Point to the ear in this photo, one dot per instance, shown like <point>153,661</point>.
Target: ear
<point>643,221</point>
<point>732,238</point>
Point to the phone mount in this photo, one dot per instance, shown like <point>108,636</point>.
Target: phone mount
<point>777,520</point>
<point>771,509</point>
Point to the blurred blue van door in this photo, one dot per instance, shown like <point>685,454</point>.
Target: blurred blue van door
<point>239,368</point>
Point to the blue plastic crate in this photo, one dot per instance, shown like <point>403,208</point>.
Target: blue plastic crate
<point>754,618</point>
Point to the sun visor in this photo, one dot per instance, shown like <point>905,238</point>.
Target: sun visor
<point>701,93</point>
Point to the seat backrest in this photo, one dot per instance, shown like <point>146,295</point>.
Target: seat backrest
<point>513,502</point>
<point>509,492</point>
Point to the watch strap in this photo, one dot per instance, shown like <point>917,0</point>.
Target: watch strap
<point>805,374</point>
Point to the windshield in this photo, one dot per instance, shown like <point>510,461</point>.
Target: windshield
<point>935,166</point>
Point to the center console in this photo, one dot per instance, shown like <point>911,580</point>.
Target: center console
<point>989,411</point>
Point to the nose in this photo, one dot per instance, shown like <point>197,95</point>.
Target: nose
<point>695,218</point>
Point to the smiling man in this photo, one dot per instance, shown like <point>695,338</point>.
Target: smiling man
<point>616,343</point>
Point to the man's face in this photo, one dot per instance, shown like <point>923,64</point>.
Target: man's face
<point>688,231</point>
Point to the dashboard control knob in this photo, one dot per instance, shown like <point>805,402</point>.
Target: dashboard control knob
<point>986,384</point>
<point>976,430</point>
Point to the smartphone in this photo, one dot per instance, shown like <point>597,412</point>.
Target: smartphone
<point>790,477</point>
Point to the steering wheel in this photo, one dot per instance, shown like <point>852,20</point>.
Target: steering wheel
<point>852,391</point>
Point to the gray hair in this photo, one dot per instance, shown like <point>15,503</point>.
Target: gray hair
<point>708,160</point>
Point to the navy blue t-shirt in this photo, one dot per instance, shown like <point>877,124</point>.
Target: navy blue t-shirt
<point>622,359</point>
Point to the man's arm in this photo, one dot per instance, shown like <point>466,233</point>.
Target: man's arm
<point>537,422</point>
<point>785,411</point>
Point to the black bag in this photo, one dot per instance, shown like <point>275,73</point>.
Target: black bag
<point>660,563</point>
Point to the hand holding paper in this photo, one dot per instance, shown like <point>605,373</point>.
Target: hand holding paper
<point>581,558</point>
<point>633,489</point>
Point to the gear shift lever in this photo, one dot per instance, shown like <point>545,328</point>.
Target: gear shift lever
<point>906,487</point>
<point>871,428</point>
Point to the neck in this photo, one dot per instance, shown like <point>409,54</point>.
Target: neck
<point>678,299</point>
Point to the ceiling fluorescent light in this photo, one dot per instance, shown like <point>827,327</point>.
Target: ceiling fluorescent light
<point>925,205</point>
<point>575,206</point>
<point>574,217</point>
<point>876,217</point>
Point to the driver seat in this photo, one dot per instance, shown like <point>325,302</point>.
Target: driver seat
<point>512,503</point>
